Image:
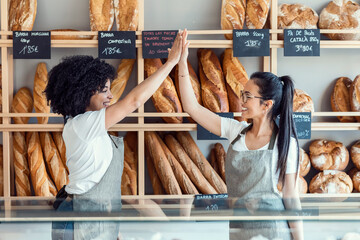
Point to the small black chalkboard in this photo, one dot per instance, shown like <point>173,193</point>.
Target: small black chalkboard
<point>211,202</point>
<point>156,43</point>
<point>31,45</point>
<point>116,45</point>
<point>251,43</point>
<point>303,124</point>
<point>301,42</point>
<point>203,134</point>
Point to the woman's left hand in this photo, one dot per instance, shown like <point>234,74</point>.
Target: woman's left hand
<point>176,49</point>
<point>185,46</point>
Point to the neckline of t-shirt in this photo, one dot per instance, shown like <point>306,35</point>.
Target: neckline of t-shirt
<point>265,147</point>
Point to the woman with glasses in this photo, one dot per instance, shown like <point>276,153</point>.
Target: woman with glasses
<point>260,155</point>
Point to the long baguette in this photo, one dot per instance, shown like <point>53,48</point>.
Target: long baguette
<point>220,157</point>
<point>161,164</point>
<point>60,144</point>
<point>200,161</point>
<point>189,166</point>
<point>184,181</point>
<point>131,167</point>
<point>154,178</point>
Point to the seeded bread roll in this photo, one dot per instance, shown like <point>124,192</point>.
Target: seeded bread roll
<point>341,14</point>
<point>213,89</point>
<point>355,96</point>
<point>340,98</point>
<point>126,14</point>
<point>302,102</point>
<point>22,103</point>
<point>22,14</point>
<point>40,101</point>
<point>330,181</point>
<point>355,154</point>
<point>232,15</point>
<point>328,155</point>
<point>304,163</point>
<point>101,15</point>
<point>256,13</point>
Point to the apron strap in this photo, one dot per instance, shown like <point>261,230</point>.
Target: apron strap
<point>242,132</point>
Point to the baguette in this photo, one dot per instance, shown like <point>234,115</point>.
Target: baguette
<point>165,99</point>
<point>213,90</point>
<point>184,181</point>
<point>235,78</point>
<point>0,101</point>
<point>60,144</point>
<point>256,13</point>
<point>161,164</point>
<point>22,103</point>
<point>232,15</point>
<point>40,101</point>
<point>1,172</point>
<point>220,158</point>
<point>22,173</point>
<point>53,160</point>
<point>101,15</point>
<point>200,161</point>
<point>126,14</point>
<point>68,37</point>
<point>123,74</point>
<point>189,166</point>
<point>41,182</point>
<point>213,160</point>
<point>131,170</point>
<point>22,14</point>
<point>127,181</point>
<point>154,178</point>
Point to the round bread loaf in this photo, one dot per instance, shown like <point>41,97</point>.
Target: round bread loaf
<point>302,102</point>
<point>340,98</point>
<point>355,96</point>
<point>341,14</point>
<point>355,177</point>
<point>328,155</point>
<point>330,181</point>
<point>302,185</point>
<point>355,154</point>
<point>296,16</point>
<point>304,163</point>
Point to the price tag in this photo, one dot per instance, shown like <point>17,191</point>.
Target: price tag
<point>301,42</point>
<point>251,43</point>
<point>31,45</point>
<point>211,202</point>
<point>116,45</point>
<point>303,124</point>
<point>156,43</point>
<point>203,134</point>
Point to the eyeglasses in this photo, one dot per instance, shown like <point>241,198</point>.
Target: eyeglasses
<point>245,96</point>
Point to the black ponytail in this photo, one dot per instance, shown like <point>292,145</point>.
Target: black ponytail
<point>281,91</point>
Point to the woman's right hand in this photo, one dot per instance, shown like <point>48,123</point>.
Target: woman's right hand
<point>185,46</point>
<point>176,49</point>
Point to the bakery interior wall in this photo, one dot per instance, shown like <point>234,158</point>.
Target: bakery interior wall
<point>315,75</point>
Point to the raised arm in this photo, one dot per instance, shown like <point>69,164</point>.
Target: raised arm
<point>201,115</point>
<point>141,93</point>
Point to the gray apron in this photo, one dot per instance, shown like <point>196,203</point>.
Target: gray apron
<point>103,197</point>
<point>249,178</point>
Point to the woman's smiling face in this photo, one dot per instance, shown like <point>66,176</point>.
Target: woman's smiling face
<point>100,99</point>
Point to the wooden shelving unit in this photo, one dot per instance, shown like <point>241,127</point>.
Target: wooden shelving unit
<point>269,64</point>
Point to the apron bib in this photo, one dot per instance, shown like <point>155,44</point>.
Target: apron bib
<point>249,178</point>
<point>103,197</point>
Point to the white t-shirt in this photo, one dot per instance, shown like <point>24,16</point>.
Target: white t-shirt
<point>230,129</point>
<point>88,150</point>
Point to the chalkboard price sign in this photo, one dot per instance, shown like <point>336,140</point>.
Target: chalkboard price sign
<point>31,45</point>
<point>116,45</point>
<point>303,124</point>
<point>211,202</point>
<point>203,134</point>
<point>301,42</point>
<point>251,43</point>
<point>156,43</point>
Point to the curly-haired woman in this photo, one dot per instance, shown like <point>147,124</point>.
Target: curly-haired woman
<point>79,89</point>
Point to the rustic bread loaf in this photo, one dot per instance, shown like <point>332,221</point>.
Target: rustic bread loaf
<point>304,163</point>
<point>341,14</point>
<point>340,98</point>
<point>165,99</point>
<point>22,103</point>
<point>354,174</point>
<point>355,96</point>
<point>328,155</point>
<point>213,89</point>
<point>302,102</point>
<point>257,13</point>
<point>330,181</point>
<point>123,74</point>
<point>302,185</point>
<point>40,101</point>
<point>22,172</point>
<point>22,14</point>
<point>101,15</point>
<point>355,154</point>
<point>232,15</point>
<point>126,14</point>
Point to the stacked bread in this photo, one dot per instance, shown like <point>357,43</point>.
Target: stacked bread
<point>345,97</point>
<point>130,172</point>
<point>177,166</point>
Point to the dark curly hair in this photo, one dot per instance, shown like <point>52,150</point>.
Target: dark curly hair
<point>74,80</point>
